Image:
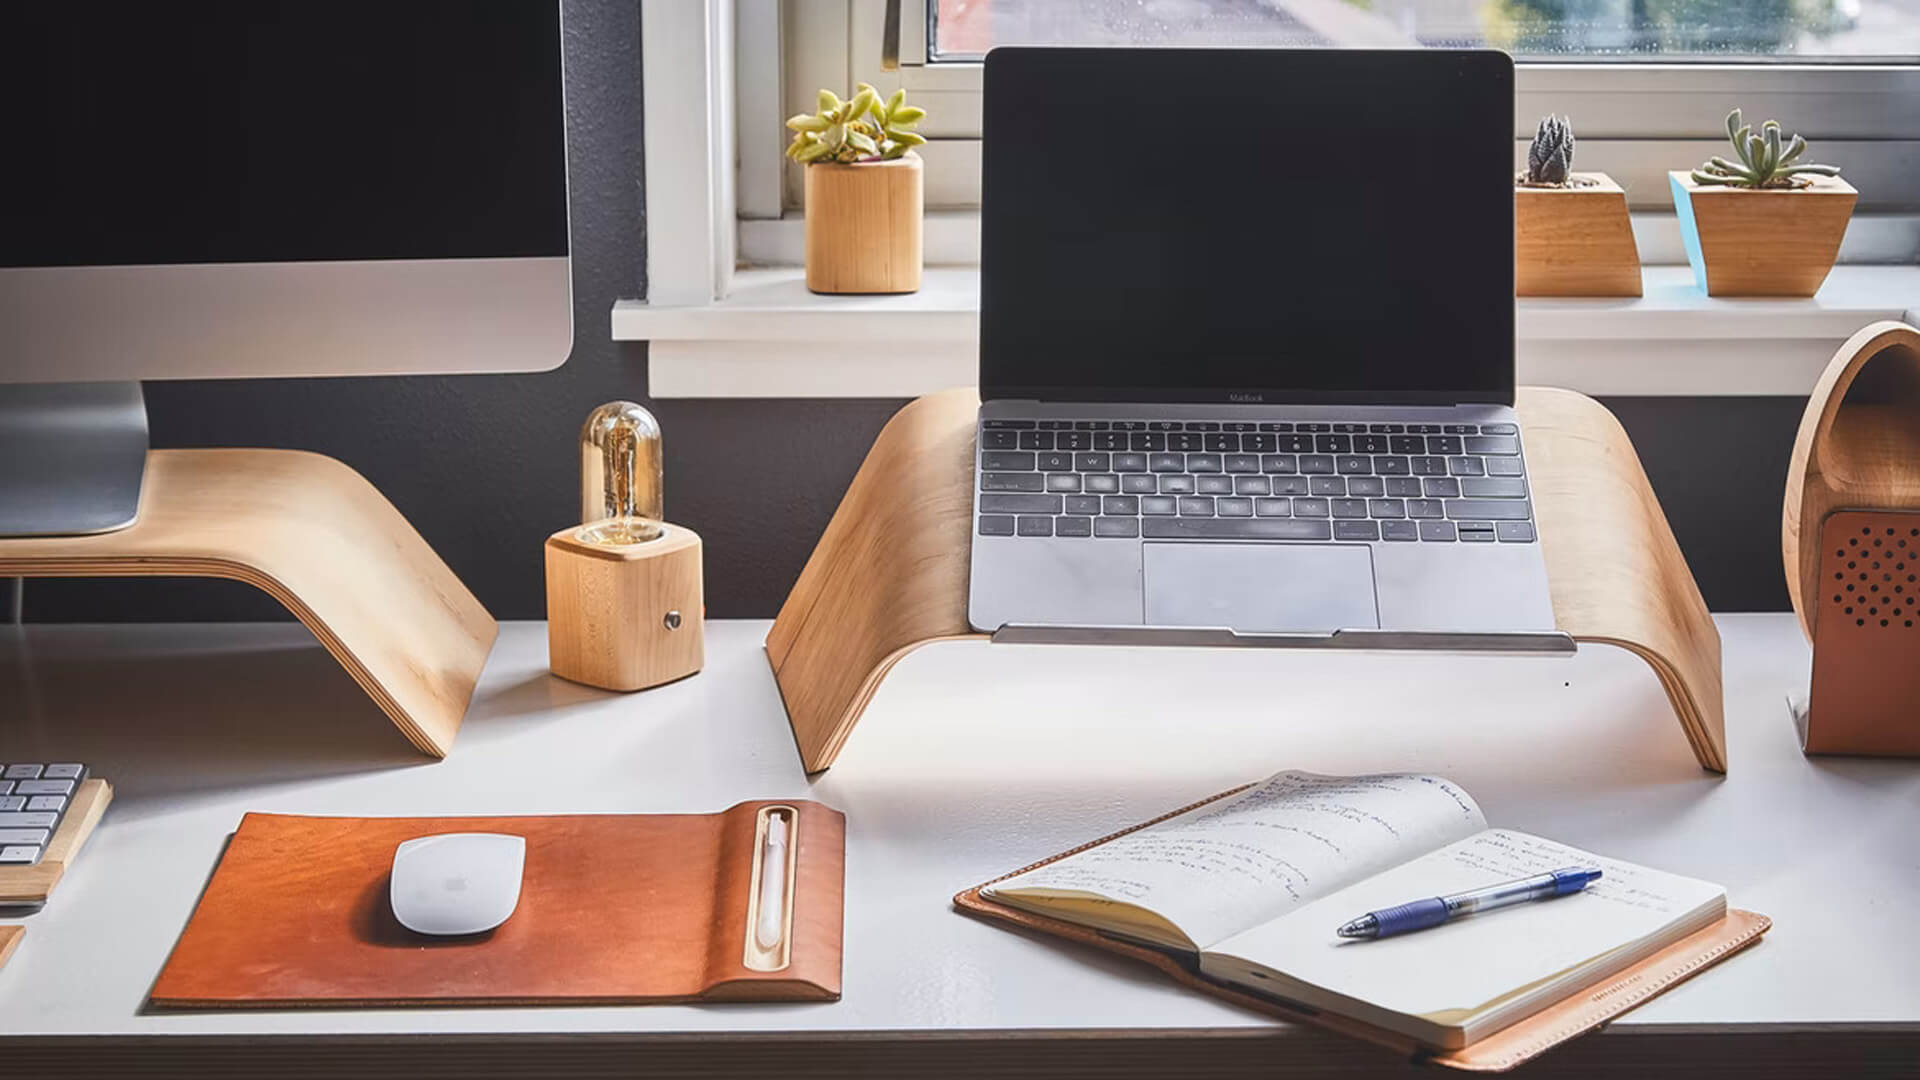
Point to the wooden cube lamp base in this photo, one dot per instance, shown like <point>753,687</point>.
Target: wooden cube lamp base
<point>890,573</point>
<point>32,885</point>
<point>625,617</point>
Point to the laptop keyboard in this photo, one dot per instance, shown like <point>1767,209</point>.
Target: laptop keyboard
<point>1241,480</point>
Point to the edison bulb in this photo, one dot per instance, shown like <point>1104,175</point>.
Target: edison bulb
<point>621,475</point>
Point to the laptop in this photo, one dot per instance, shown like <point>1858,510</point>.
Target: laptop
<point>1246,348</point>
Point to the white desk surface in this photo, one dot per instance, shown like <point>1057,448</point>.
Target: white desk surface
<point>973,760</point>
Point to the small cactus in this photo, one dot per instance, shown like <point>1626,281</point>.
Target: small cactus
<point>1550,158</point>
<point>861,128</point>
<point>1765,161</point>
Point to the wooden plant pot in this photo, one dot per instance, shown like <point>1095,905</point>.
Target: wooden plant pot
<point>1743,242</point>
<point>864,226</point>
<point>1574,241</point>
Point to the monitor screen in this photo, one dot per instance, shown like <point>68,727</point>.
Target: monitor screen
<point>1286,226</point>
<point>223,131</point>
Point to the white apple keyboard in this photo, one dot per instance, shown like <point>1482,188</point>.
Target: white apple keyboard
<point>33,799</point>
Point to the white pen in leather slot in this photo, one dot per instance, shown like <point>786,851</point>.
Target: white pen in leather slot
<point>770,904</point>
<point>773,885</point>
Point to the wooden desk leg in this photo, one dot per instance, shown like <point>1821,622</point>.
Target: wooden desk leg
<point>316,536</point>
<point>890,574</point>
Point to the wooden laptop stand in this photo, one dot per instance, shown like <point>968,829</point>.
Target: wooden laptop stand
<point>890,573</point>
<point>316,536</point>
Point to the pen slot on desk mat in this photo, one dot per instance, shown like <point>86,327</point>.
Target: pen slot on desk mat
<point>770,897</point>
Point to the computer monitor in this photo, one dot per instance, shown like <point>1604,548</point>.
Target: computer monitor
<point>248,188</point>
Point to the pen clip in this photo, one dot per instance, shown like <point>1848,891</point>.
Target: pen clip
<point>769,929</point>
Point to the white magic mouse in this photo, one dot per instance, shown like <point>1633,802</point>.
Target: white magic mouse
<point>457,883</point>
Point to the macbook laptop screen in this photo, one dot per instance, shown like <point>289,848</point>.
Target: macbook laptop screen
<point>1247,225</point>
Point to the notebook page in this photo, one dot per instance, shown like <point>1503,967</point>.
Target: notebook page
<point>1246,860</point>
<point>1450,972</point>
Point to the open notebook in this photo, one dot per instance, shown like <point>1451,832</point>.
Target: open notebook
<point>1254,885</point>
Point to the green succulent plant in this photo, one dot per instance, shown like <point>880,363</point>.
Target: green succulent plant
<point>861,128</point>
<point>1550,158</point>
<point>1765,160</point>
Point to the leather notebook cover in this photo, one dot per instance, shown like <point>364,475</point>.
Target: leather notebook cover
<point>1575,1015</point>
<point>614,909</point>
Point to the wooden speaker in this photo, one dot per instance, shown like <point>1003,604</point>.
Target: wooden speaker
<point>1850,542</point>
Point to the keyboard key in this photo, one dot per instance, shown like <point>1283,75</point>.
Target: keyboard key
<point>1499,429</point>
<point>1109,440</point>
<point>1258,444</point>
<point>1065,481</point>
<point>1436,531</point>
<point>1082,504</point>
<point>1234,507</point>
<point>1034,526</point>
<point>1203,463</point>
<point>1089,425</point>
<point>1279,463</point>
<point>1486,487</point>
<point>1167,462</point>
<point>1426,508</point>
<point>995,525</point>
<point>1462,429</point>
<point>1057,461</point>
<point>1196,506</point>
<point>1353,464</point>
<point>18,855</point>
<point>999,440</point>
<point>1296,444</point>
<point>1329,485</point>
<point>1476,532</point>
<point>1147,440</point>
<point>23,772</point>
<point>1466,466</point>
<point>1273,507</point>
<point>25,836</point>
<point>1019,504</point>
<point>1036,440</point>
<point>1443,444</point>
<point>1234,529</point>
<point>1493,444</point>
<point>1056,425</point>
<point>1399,530</point>
<point>1157,505</point>
<point>1164,425</point>
<point>1407,444</point>
<point>1100,483</point>
<point>1403,487</point>
<point>1213,485</point>
<point>11,803</point>
<point>1203,425</point>
<point>1313,427</point>
<point>1424,429</point>
<point>1186,440</point>
<point>1129,463</point>
<point>1092,461</point>
<point>1366,486</point>
<point>54,803</point>
<point>1315,463</point>
<point>1310,508</point>
<point>1391,465</point>
<point>1478,510</point>
<point>1349,508</point>
<point>1514,532</point>
<point>1118,528</point>
<point>1386,429</point>
<point>1242,463</point>
<point>1276,426</point>
<point>1073,526</point>
<point>1252,485</point>
<point>1073,440</point>
<point>1176,485</point>
<point>28,821</point>
<point>1356,530</point>
<point>1139,484</point>
<point>1236,425</point>
<point>1007,425</point>
<point>1007,460</point>
<point>1503,466</point>
<point>1223,444</point>
<point>1442,487</point>
<point>1349,427</point>
<point>1429,466</point>
<point>6,786</point>
<point>1369,444</point>
<point>1333,444</point>
<point>1120,504</point>
<point>1386,508</point>
<point>1290,485</point>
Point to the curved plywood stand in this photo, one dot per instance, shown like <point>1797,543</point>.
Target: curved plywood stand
<point>317,537</point>
<point>890,573</point>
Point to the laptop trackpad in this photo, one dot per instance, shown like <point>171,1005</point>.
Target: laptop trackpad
<point>1260,588</point>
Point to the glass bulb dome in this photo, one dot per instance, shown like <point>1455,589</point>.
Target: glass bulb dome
<point>621,475</point>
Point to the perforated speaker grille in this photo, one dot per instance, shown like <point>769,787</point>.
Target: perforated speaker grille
<point>1875,575</point>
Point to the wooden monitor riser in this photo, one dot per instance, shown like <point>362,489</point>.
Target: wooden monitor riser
<point>316,536</point>
<point>890,573</point>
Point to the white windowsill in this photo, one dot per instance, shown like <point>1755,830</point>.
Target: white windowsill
<point>771,338</point>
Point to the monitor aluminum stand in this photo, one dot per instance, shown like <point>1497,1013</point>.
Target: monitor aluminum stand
<point>72,457</point>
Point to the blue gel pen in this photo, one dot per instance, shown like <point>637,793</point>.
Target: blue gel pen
<point>1422,914</point>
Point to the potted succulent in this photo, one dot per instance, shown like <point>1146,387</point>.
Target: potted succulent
<point>863,191</point>
<point>1765,225</point>
<point>1571,235</point>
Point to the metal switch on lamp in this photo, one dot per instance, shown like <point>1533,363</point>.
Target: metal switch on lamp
<point>625,606</point>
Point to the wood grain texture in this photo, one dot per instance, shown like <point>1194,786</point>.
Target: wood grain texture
<point>1575,241</point>
<point>9,940</point>
<point>317,537</point>
<point>608,608</point>
<point>614,908</point>
<point>864,225</point>
<point>890,573</point>
<point>1763,243</point>
<point>35,884</point>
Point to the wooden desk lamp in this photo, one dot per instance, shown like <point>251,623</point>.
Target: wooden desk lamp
<point>625,609</point>
<point>1850,542</point>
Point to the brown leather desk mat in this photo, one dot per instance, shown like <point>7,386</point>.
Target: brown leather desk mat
<point>614,909</point>
<point>1575,1015</point>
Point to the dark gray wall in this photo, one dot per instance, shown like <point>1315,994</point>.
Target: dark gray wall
<point>484,466</point>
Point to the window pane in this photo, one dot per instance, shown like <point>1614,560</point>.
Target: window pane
<point>1709,30</point>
